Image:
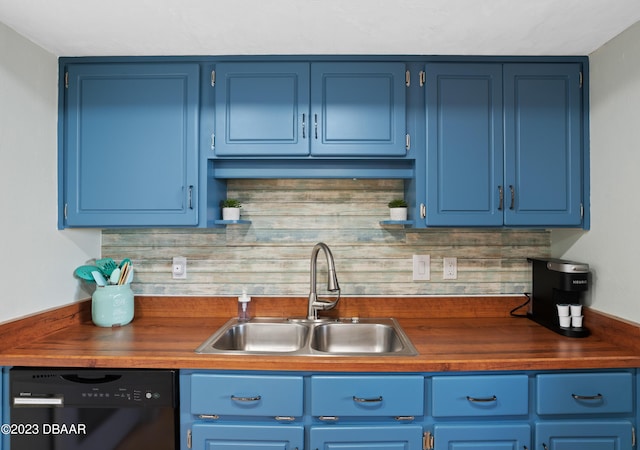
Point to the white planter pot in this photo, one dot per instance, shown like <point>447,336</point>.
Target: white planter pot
<point>230,213</point>
<point>398,213</point>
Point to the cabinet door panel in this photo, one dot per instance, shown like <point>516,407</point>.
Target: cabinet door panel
<point>130,145</point>
<point>490,436</point>
<point>585,435</point>
<point>400,437</point>
<point>543,143</point>
<point>358,109</point>
<point>262,109</point>
<point>247,437</point>
<point>464,144</point>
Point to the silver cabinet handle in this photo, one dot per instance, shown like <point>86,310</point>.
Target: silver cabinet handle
<point>587,397</point>
<point>493,398</point>
<point>501,198</point>
<point>191,197</point>
<point>284,418</point>
<point>513,197</point>
<point>315,125</point>
<point>246,399</point>
<point>367,400</point>
<point>304,126</point>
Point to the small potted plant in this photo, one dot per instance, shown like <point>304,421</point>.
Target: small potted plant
<point>398,209</point>
<point>231,209</point>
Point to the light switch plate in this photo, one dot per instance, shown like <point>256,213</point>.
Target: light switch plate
<point>421,267</point>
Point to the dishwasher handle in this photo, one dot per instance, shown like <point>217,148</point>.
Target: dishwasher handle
<point>38,401</point>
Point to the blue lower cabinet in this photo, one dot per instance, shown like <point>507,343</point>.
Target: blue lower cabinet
<point>585,435</point>
<point>247,437</point>
<point>369,437</point>
<point>487,436</point>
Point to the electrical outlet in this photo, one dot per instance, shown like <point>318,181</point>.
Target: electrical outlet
<point>450,268</point>
<point>421,267</point>
<point>179,268</point>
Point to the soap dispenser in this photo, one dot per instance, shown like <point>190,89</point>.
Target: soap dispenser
<point>244,310</point>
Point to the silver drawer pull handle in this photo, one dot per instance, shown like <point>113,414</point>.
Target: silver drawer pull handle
<point>493,398</point>
<point>208,416</point>
<point>587,397</point>
<point>367,400</point>
<point>328,418</point>
<point>246,399</point>
<point>284,418</point>
<point>405,418</point>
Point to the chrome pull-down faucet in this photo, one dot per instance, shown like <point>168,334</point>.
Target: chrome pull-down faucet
<point>316,304</point>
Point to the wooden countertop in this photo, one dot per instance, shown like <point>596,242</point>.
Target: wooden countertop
<point>450,334</point>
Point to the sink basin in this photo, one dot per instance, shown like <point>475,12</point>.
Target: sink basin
<point>356,338</point>
<point>301,337</point>
<point>258,337</point>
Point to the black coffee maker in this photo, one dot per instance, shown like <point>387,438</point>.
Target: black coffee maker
<point>557,282</point>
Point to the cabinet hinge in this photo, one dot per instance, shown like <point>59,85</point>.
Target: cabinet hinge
<point>407,143</point>
<point>423,78</point>
<point>407,78</point>
<point>189,438</point>
<point>213,78</point>
<point>427,441</point>
<point>66,80</point>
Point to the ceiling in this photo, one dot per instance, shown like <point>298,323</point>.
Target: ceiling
<point>260,27</point>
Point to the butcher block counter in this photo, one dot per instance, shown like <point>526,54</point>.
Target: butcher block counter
<point>450,334</point>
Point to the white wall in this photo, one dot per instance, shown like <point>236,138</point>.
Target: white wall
<point>36,259</point>
<point>612,246</point>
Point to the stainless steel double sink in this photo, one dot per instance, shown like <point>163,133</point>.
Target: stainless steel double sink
<point>299,337</point>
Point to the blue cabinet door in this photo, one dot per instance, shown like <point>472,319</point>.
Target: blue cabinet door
<point>249,436</point>
<point>543,158</point>
<point>584,435</point>
<point>130,146</point>
<point>362,437</point>
<point>488,436</point>
<point>464,144</point>
<point>358,109</point>
<point>262,109</point>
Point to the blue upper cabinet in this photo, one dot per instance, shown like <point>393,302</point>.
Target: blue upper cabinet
<point>262,109</point>
<point>358,109</point>
<point>504,145</point>
<point>129,151</point>
<point>464,142</point>
<point>543,158</point>
<point>319,109</point>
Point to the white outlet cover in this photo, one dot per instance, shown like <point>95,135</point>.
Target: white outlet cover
<point>450,268</point>
<point>179,268</point>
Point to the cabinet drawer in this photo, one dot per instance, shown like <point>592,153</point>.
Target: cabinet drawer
<point>246,395</point>
<point>584,393</point>
<point>484,395</point>
<point>367,395</point>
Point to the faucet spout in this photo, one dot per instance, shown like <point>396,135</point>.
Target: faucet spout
<point>316,304</point>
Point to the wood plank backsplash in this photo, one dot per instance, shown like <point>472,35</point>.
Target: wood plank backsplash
<point>271,256</point>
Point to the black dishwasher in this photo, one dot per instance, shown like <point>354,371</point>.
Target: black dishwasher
<point>92,409</point>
